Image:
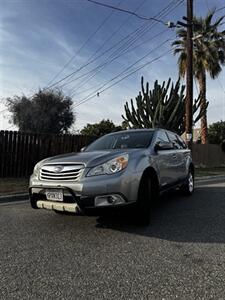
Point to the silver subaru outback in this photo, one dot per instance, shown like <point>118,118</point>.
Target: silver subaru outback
<point>119,170</point>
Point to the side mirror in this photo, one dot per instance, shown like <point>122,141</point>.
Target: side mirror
<point>83,149</point>
<point>163,146</point>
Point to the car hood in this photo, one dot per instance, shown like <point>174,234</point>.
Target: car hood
<point>89,159</point>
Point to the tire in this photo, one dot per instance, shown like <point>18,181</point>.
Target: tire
<point>33,202</point>
<point>144,202</point>
<point>187,189</point>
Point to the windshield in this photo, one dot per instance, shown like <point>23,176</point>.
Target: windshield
<point>123,140</point>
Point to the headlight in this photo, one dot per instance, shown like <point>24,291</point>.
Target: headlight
<point>37,168</point>
<point>112,166</point>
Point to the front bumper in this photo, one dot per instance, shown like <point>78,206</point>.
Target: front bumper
<point>84,193</point>
<point>74,204</point>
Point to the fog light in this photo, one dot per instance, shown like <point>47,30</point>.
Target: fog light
<point>106,200</point>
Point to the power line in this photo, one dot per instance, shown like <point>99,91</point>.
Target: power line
<point>128,12</point>
<point>110,48</point>
<point>113,33</point>
<point>141,31</point>
<point>83,45</point>
<point>130,43</point>
<point>99,70</point>
<point>124,72</point>
<point>117,30</point>
<point>116,51</point>
<point>131,73</point>
<point>103,65</point>
<point>88,63</point>
<point>106,62</point>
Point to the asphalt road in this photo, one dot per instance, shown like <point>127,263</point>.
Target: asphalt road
<point>180,256</point>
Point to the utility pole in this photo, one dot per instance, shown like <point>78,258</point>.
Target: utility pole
<point>189,76</point>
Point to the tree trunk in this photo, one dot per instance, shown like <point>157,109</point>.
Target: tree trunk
<point>204,129</point>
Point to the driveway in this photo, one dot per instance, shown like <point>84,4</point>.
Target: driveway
<point>181,255</point>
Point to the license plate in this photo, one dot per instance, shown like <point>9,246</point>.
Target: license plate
<point>54,195</point>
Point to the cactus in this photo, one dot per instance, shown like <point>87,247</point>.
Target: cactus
<point>163,106</point>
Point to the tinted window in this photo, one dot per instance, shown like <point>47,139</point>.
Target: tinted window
<point>162,137</point>
<point>124,140</point>
<point>177,141</point>
<point>181,142</point>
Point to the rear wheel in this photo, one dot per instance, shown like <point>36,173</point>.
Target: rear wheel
<point>188,188</point>
<point>145,196</point>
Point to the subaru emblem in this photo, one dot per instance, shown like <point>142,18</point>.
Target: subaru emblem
<point>58,169</point>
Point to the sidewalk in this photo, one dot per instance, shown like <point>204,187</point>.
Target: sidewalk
<point>211,178</point>
<point>14,197</point>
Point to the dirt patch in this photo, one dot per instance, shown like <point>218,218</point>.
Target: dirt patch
<point>13,185</point>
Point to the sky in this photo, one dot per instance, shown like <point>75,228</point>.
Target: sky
<point>41,42</point>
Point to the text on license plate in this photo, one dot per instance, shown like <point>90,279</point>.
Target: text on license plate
<point>54,195</point>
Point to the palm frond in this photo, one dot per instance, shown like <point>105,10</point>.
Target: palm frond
<point>208,50</point>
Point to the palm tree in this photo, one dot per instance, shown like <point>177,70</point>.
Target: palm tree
<point>208,56</point>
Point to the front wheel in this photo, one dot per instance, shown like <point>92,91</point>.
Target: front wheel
<point>144,201</point>
<point>188,188</point>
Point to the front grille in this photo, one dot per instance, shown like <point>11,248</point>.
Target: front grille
<point>61,172</point>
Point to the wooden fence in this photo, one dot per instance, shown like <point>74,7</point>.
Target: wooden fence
<point>208,155</point>
<point>19,152</point>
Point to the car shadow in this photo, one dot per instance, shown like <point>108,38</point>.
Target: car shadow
<point>199,218</point>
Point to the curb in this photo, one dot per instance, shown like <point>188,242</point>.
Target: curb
<point>25,196</point>
<point>210,178</point>
<point>14,197</point>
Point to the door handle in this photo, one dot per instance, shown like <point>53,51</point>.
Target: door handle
<point>174,156</point>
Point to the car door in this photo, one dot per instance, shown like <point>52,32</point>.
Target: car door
<point>178,156</point>
<point>164,160</point>
<point>184,156</point>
